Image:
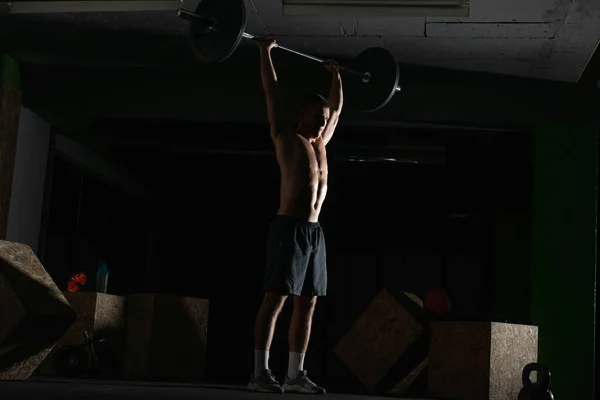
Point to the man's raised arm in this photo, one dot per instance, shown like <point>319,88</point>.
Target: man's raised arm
<point>271,87</point>
<point>335,100</point>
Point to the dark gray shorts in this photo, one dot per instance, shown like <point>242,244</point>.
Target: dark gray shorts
<point>296,258</point>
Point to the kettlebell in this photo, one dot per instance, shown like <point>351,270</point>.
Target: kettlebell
<point>539,390</point>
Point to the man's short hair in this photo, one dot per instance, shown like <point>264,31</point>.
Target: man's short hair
<point>313,100</point>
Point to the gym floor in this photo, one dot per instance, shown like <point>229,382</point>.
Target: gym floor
<point>46,389</point>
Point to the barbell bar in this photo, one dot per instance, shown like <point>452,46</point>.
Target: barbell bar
<point>218,26</point>
<point>365,76</point>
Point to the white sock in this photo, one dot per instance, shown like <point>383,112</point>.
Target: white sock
<point>261,361</point>
<point>295,364</point>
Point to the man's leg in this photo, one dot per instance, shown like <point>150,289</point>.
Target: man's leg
<point>266,319</point>
<point>299,334</point>
<point>288,255</point>
<point>315,285</point>
<point>265,327</point>
<point>296,380</point>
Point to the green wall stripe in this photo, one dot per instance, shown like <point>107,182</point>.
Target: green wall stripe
<point>565,181</point>
<point>9,71</point>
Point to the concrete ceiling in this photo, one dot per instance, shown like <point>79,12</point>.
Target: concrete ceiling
<point>545,39</point>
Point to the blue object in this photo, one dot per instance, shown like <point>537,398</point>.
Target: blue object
<point>102,276</point>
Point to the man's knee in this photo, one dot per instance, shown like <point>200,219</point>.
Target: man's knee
<point>305,304</point>
<point>273,303</point>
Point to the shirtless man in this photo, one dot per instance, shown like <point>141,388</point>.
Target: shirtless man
<point>296,261</point>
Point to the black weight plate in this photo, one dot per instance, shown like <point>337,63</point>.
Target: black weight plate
<point>218,44</point>
<point>70,361</point>
<point>385,74</point>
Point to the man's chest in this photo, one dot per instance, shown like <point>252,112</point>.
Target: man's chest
<point>299,153</point>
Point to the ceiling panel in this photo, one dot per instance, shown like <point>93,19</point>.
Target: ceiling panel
<point>527,31</point>
<point>502,56</point>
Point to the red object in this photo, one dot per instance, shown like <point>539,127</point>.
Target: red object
<point>438,302</point>
<point>77,282</point>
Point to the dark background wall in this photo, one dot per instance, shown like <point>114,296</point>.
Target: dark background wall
<point>231,92</point>
<point>88,219</point>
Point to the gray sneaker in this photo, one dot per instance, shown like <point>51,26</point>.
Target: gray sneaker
<point>264,383</point>
<point>302,385</point>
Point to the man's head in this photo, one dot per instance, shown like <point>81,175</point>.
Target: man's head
<point>314,114</point>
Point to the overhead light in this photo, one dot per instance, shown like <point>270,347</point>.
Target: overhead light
<point>370,8</point>
<point>57,7</point>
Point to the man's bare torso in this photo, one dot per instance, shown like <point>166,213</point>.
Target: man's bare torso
<point>303,168</point>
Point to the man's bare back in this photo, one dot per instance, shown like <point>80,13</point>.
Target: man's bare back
<point>303,166</point>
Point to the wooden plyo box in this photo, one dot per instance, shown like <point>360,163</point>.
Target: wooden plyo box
<point>479,360</point>
<point>103,317</point>
<point>385,348</point>
<point>34,314</point>
<point>165,337</point>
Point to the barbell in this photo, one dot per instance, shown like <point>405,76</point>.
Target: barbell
<point>218,26</point>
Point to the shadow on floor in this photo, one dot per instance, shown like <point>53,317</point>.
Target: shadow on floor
<point>54,389</point>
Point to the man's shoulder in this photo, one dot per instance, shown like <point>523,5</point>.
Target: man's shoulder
<point>285,142</point>
<point>285,133</point>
